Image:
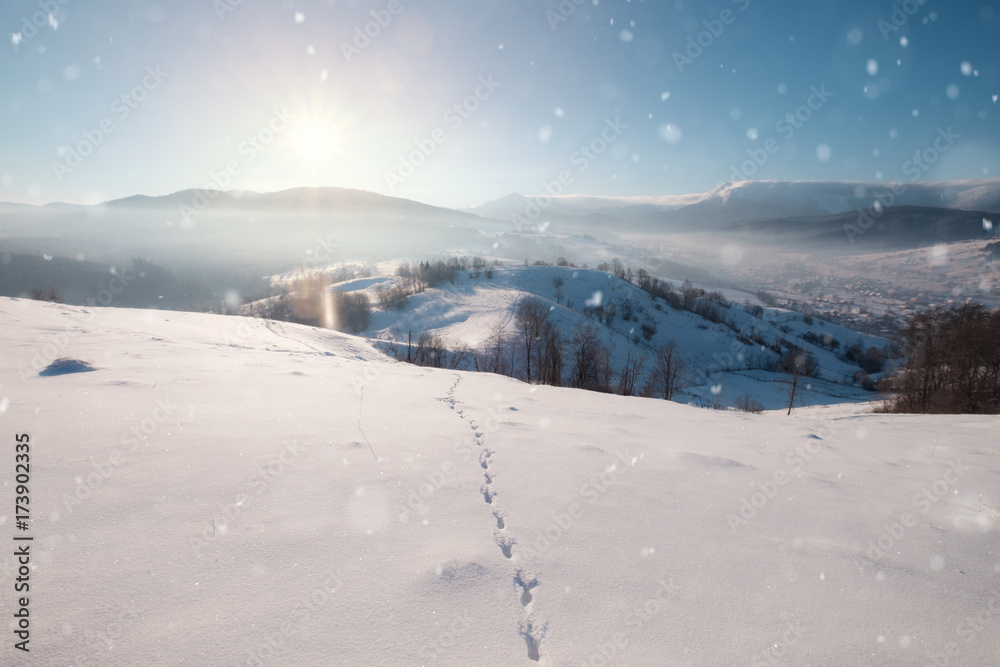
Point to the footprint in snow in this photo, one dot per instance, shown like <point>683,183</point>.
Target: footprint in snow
<point>505,543</point>
<point>533,638</point>
<point>526,583</point>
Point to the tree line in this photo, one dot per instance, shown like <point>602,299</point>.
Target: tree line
<point>952,363</point>
<point>532,348</point>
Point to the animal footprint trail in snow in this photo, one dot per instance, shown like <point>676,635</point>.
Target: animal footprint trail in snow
<point>505,543</point>
<point>526,583</point>
<point>533,636</point>
<point>529,629</point>
<point>450,399</point>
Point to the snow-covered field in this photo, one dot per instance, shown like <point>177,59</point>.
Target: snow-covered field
<point>225,491</point>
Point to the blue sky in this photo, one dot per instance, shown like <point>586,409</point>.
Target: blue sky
<point>264,95</point>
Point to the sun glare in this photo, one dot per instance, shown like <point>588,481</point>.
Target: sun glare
<point>314,141</point>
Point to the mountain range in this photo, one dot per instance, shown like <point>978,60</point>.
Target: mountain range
<point>286,224</point>
<point>754,200</point>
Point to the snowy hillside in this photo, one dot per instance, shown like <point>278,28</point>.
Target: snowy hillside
<point>222,491</point>
<point>717,355</point>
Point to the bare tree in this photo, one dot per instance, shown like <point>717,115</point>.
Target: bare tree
<point>530,316</point>
<point>558,282</point>
<point>496,347</point>
<point>550,355</point>
<point>747,403</point>
<point>353,311</point>
<point>668,376</point>
<point>431,351</point>
<point>394,298</point>
<point>628,309</point>
<point>630,373</point>
<point>459,356</point>
<point>591,359</point>
<point>793,365</point>
<point>689,294</point>
<point>605,370</point>
<point>609,312</point>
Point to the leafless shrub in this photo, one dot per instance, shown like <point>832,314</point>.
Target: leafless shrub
<point>747,403</point>
<point>45,294</point>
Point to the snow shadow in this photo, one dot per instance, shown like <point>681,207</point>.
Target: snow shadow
<point>65,366</point>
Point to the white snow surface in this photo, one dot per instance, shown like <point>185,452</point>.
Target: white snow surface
<point>226,491</point>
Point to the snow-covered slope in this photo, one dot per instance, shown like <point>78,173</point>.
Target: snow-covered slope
<point>221,491</point>
<point>717,356</point>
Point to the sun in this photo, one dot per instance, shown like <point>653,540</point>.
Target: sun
<point>314,142</point>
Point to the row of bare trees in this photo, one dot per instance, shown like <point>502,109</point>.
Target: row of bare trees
<point>588,359</point>
<point>952,363</point>
<point>430,349</point>
<point>531,347</point>
<point>312,301</point>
